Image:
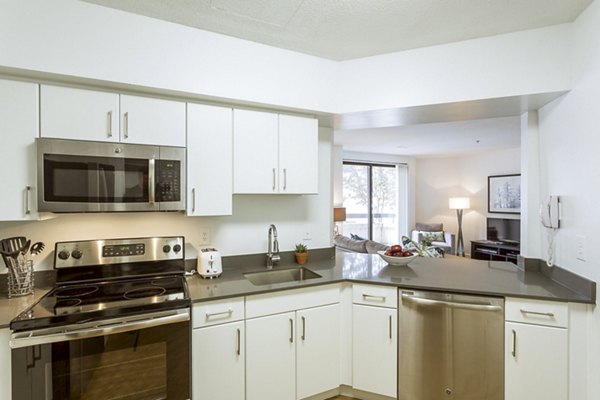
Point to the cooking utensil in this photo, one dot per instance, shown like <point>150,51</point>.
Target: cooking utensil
<point>37,248</point>
<point>10,248</point>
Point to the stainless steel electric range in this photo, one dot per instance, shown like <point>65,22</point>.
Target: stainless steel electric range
<point>116,326</point>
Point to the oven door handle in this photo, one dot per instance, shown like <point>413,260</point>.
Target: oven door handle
<point>120,325</point>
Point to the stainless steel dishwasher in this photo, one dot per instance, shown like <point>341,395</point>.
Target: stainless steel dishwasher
<point>450,346</point>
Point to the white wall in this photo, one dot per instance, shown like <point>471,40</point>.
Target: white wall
<point>243,233</point>
<point>79,39</point>
<point>570,168</point>
<point>438,179</point>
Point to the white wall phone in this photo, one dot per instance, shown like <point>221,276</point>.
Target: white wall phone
<point>550,218</point>
<point>550,212</point>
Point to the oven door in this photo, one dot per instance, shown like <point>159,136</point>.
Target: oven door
<point>133,359</point>
<point>79,176</point>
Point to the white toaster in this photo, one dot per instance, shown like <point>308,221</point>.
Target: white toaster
<point>209,263</point>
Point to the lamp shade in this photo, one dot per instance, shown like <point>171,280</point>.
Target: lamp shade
<point>339,214</point>
<point>459,203</point>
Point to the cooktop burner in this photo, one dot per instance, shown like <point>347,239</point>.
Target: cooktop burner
<point>75,291</point>
<point>144,292</point>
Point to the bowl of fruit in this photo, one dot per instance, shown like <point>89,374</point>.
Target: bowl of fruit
<point>395,255</point>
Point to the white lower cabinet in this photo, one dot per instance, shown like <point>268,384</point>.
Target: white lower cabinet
<point>218,350</point>
<point>5,365</point>
<point>271,357</point>
<point>375,339</point>
<point>218,362</point>
<point>536,350</point>
<point>293,343</point>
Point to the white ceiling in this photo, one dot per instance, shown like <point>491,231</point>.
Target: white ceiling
<point>347,29</point>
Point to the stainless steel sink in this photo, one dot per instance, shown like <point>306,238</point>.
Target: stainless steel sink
<point>281,276</point>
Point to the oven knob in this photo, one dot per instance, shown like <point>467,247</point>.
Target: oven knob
<point>166,248</point>
<point>63,255</point>
<point>76,254</point>
<point>177,248</point>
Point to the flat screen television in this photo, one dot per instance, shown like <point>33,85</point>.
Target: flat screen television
<point>504,230</point>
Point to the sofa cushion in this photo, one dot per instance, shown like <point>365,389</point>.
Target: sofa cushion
<point>359,246</point>
<point>429,227</point>
<point>373,247</point>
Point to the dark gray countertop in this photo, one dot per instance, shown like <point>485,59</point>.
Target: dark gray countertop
<point>451,274</point>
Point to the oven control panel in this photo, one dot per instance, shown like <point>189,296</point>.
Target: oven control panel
<point>122,250</point>
<point>116,251</point>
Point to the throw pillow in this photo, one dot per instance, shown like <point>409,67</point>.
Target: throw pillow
<point>431,237</point>
<point>356,237</point>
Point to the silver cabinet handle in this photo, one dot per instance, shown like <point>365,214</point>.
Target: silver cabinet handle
<point>514,343</point>
<point>390,326</point>
<point>291,330</point>
<point>303,328</point>
<point>373,297</point>
<point>220,314</point>
<point>151,181</point>
<point>239,341</point>
<point>126,127</point>
<point>193,199</point>
<point>284,178</point>
<point>274,183</point>
<point>545,314</point>
<point>27,193</point>
<point>109,122</point>
<point>451,304</point>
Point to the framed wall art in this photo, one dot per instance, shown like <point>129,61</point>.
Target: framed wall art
<point>504,194</point>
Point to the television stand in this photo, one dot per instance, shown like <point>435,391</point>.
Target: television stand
<point>494,251</point>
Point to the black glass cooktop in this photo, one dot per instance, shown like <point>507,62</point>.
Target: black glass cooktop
<point>78,303</point>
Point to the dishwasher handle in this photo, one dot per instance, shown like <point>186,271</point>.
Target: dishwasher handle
<point>451,304</point>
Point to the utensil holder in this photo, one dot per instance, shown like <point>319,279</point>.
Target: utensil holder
<point>20,279</point>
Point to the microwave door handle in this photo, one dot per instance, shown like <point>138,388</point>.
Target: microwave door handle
<point>151,181</point>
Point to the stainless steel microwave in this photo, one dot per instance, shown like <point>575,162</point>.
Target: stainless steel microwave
<point>85,176</point>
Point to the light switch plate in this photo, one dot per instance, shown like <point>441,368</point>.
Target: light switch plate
<point>580,247</point>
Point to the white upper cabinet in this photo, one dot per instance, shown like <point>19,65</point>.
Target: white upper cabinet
<point>274,153</point>
<point>18,130</point>
<point>298,154</point>
<point>146,120</point>
<point>69,113</point>
<point>255,155</point>
<point>209,160</point>
<point>81,114</point>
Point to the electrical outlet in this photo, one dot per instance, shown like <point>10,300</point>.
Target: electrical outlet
<point>580,247</point>
<point>204,236</point>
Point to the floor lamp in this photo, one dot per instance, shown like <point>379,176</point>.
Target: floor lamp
<point>459,204</point>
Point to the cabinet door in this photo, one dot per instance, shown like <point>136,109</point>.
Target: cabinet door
<point>5,362</point>
<point>69,113</point>
<point>536,362</point>
<point>146,120</point>
<point>318,350</point>
<point>271,357</point>
<point>375,348</point>
<point>209,160</point>
<point>298,154</point>
<point>255,155</point>
<point>218,362</point>
<point>19,128</point>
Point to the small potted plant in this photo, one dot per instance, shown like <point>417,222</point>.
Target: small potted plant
<point>301,254</point>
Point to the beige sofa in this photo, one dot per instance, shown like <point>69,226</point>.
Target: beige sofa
<point>347,244</point>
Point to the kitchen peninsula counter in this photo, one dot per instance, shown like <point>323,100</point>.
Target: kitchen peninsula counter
<point>450,274</point>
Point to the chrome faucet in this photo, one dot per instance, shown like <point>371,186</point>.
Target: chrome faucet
<point>273,250</point>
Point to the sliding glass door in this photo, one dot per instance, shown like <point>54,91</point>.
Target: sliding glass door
<point>370,193</point>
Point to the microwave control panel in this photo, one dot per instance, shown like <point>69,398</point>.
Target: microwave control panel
<point>168,180</point>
